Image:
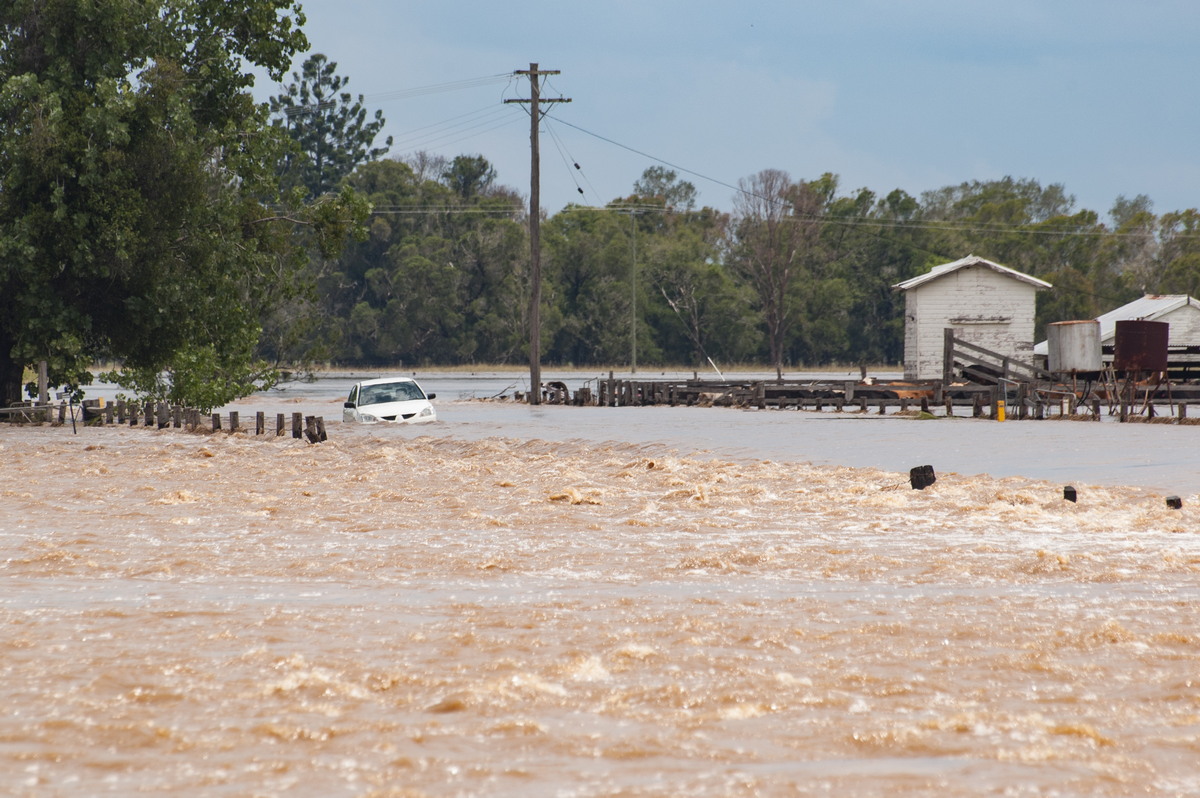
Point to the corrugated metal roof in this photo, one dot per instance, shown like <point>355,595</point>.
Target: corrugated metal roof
<point>963,263</point>
<point>1151,307</point>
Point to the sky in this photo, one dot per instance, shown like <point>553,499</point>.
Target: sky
<point>1097,95</point>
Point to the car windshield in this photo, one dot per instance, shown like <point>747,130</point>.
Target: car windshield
<point>389,392</point>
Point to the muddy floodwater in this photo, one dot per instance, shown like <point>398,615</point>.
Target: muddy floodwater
<point>471,609</point>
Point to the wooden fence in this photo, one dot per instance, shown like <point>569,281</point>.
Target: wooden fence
<point>163,416</point>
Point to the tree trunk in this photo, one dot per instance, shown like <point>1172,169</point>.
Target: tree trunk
<point>11,374</point>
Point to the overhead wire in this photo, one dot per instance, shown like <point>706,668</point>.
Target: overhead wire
<point>569,162</point>
<point>451,131</point>
<point>438,88</point>
<point>948,225</point>
<point>480,121</point>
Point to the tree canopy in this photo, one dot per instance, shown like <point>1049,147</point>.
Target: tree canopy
<point>329,125</point>
<point>139,213</point>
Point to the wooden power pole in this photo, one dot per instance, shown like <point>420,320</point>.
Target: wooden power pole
<point>535,227</point>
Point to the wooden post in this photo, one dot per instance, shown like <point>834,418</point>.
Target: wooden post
<point>216,422</point>
<point>1182,411</point>
<point>535,254</point>
<point>279,425</point>
<point>862,405</point>
<point>947,355</point>
<point>297,425</point>
<point>321,429</point>
<point>1095,410</point>
<point>43,383</point>
<point>949,404</point>
<point>760,395</point>
<point>233,421</point>
<point>149,414</point>
<point>260,422</point>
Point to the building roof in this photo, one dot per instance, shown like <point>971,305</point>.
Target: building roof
<point>964,263</point>
<point>1151,307</point>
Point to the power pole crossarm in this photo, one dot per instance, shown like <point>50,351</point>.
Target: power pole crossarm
<point>535,220</point>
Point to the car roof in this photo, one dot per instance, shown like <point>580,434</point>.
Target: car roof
<point>386,380</point>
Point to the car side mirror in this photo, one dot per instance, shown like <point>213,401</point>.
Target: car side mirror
<point>349,404</point>
<point>431,396</point>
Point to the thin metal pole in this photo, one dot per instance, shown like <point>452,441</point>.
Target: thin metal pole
<point>633,300</point>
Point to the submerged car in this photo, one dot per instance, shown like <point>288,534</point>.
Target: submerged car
<point>396,400</point>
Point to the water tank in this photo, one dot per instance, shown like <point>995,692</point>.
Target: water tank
<point>1074,347</point>
<point>1141,346</point>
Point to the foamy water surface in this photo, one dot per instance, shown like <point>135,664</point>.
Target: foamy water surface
<point>471,609</point>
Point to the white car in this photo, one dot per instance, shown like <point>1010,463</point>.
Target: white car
<point>396,400</point>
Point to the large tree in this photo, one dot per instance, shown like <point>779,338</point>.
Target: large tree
<point>775,229</point>
<point>138,211</point>
<point>329,125</point>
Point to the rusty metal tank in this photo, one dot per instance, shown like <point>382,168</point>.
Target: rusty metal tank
<point>1074,347</point>
<point>1141,346</point>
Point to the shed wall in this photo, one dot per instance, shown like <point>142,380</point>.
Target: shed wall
<point>980,305</point>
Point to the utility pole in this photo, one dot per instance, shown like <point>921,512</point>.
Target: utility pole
<point>633,297</point>
<point>535,227</point>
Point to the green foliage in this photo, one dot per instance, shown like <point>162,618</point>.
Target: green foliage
<point>662,184</point>
<point>329,126</point>
<point>140,219</point>
<point>202,377</point>
<point>469,176</point>
<point>437,277</point>
<point>802,275</point>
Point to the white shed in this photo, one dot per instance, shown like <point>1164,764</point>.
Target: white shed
<point>1181,311</point>
<point>983,302</point>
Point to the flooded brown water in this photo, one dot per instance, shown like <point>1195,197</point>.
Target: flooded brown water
<point>414,614</point>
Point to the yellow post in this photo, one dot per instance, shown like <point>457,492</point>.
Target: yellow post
<point>999,409</point>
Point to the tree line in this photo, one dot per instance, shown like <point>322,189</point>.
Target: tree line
<point>799,274</point>
<point>154,215</point>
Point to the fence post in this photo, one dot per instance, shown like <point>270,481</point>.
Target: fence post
<point>297,425</point>
<point>947,355</point>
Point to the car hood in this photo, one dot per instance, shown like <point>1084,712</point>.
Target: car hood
<point>396,411</point>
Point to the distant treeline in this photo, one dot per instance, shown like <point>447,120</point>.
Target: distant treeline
<point>799,274</point>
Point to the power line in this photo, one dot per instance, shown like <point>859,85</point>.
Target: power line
<point>445,133</point>
<point>439,88</point>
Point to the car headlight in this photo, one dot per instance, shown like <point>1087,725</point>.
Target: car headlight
<point>426,412</point>
<point>368,417</point>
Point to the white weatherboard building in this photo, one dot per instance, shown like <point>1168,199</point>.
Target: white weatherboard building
<point>985,303</point>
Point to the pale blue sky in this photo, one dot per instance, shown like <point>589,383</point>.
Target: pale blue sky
<point>1100,96</point>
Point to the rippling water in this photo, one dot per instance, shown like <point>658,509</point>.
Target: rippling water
<point>447,612</point>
